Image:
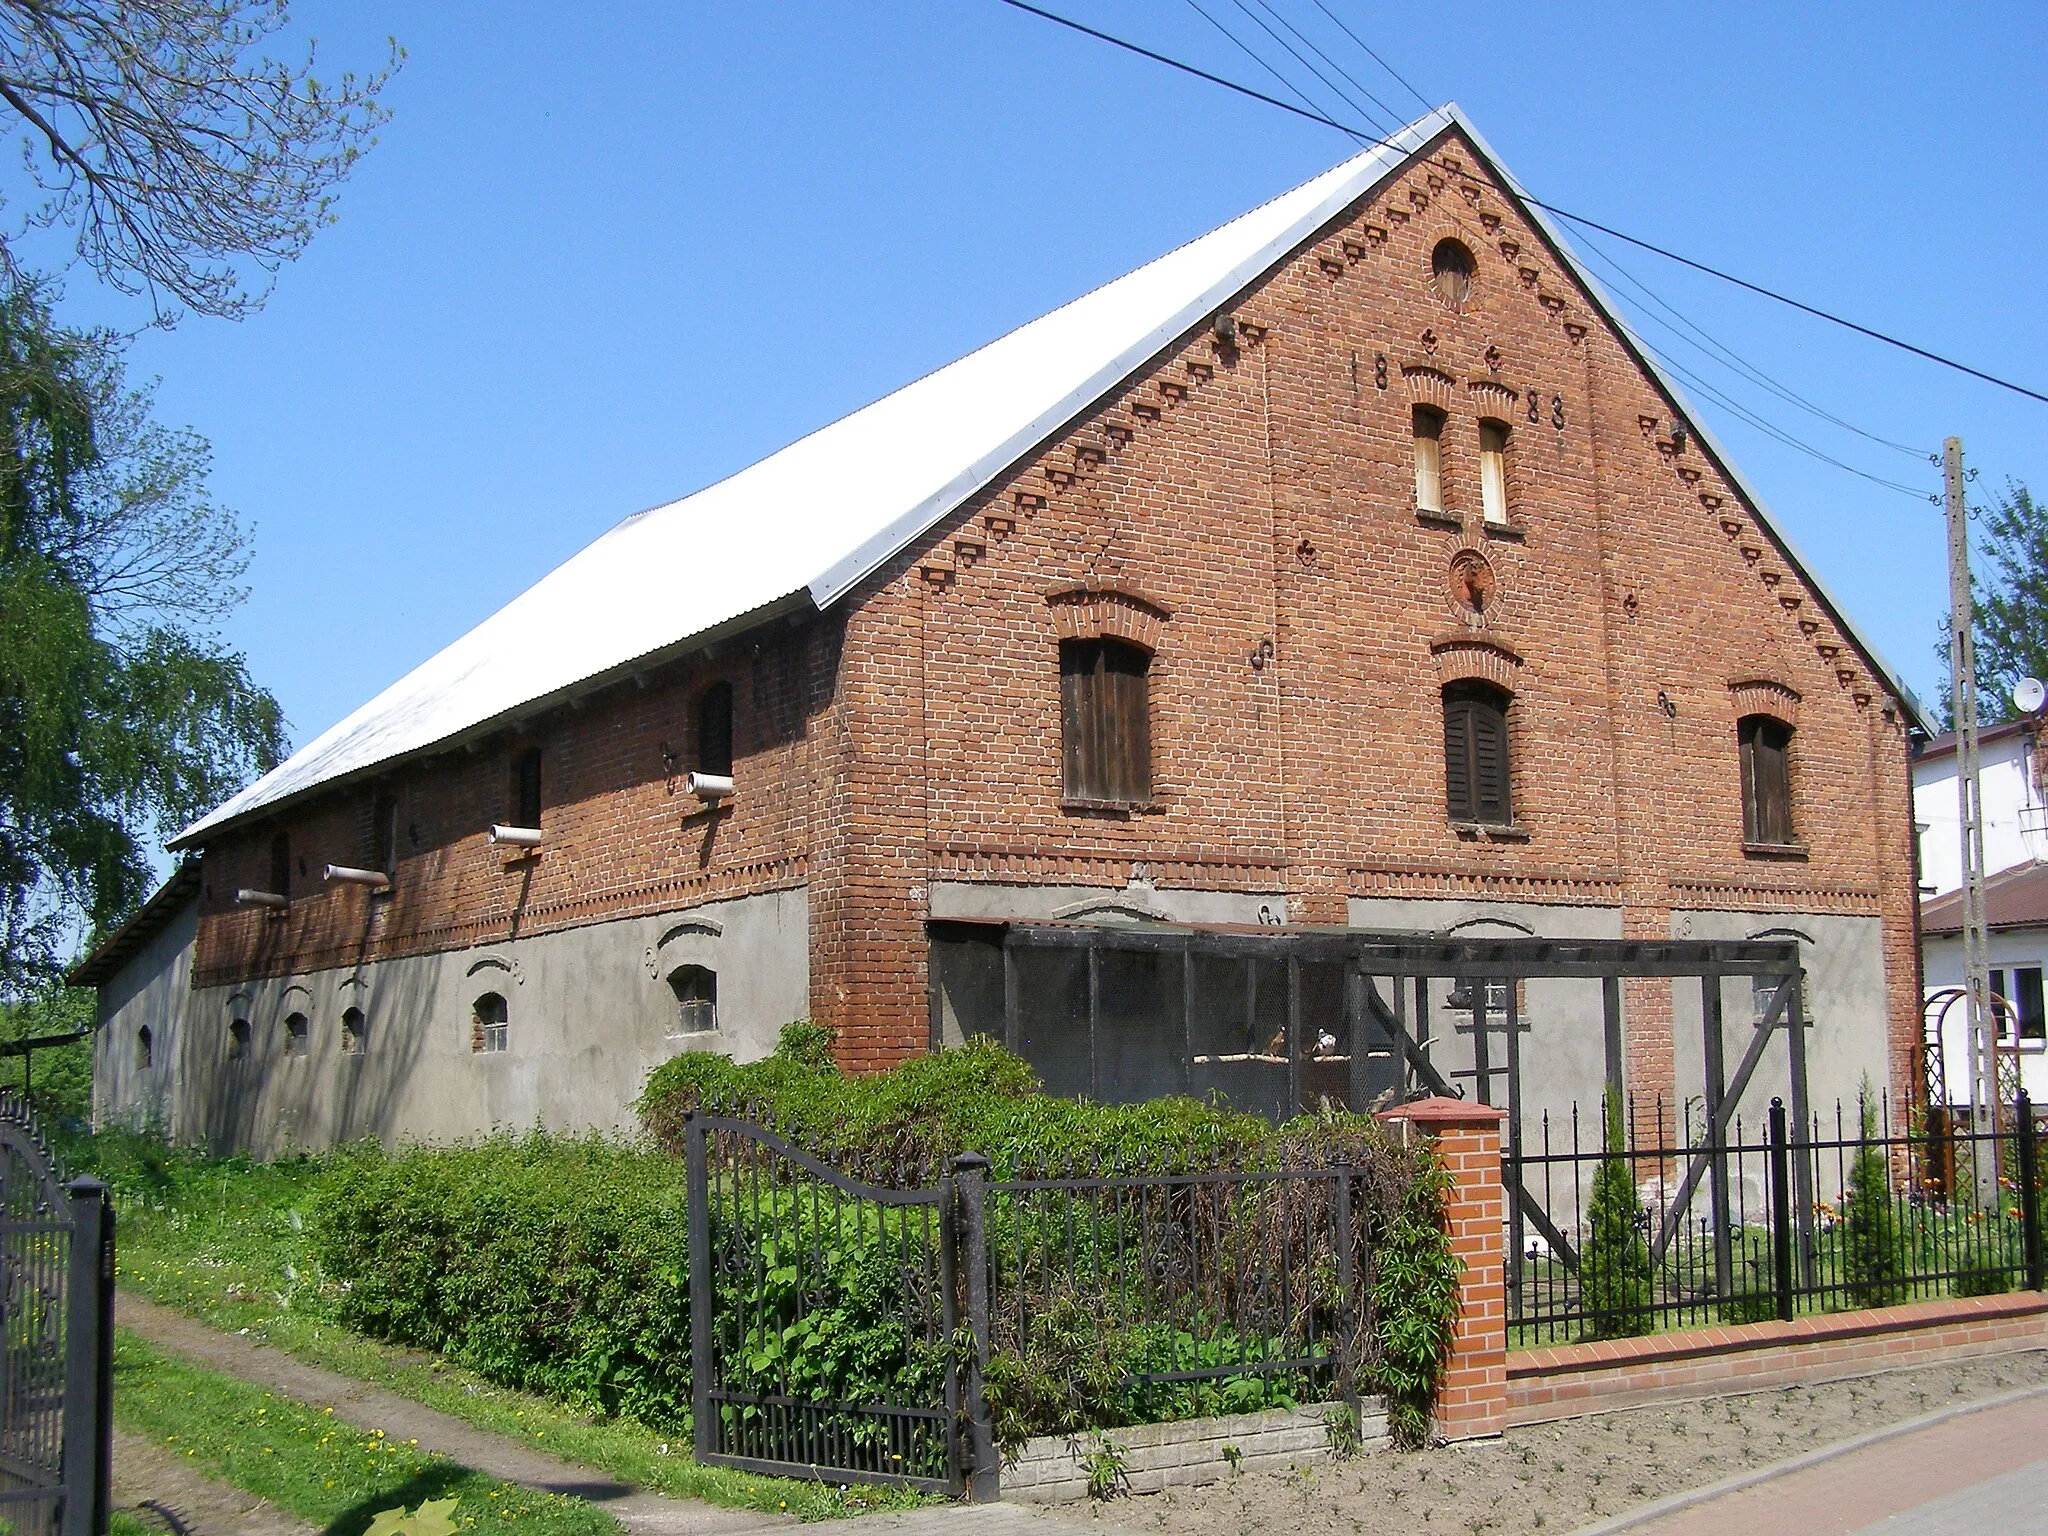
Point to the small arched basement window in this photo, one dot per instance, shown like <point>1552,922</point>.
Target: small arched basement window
<point>1476,768</point>
<point>714,731</point>
<point>145,1049</point>
<point>239,1038</point>
<point>1765,743</point>
<point>490,1020</point>
<point>298,1035</point>
<point>353,1026</point>
<point>1106,721</point>
<point>696,990</point>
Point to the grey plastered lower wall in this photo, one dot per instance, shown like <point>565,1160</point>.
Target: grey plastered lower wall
<point>590,1012</point>
<point>153,992</point>
<point>1845,1006</point>
<point>1563,1040</point>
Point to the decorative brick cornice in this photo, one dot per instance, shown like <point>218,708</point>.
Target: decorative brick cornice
<point>1485,658</point>
<point>1759,896</point>
<point>601,906</point>
<point>1430,881</point>
<point>1085,612</point>
<point>1033,864</point>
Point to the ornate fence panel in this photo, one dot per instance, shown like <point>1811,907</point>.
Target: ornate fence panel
<point>1892,1213</point>
<point>1170,1294</point>
<point>823,1315</point>
<point>56,1338</point>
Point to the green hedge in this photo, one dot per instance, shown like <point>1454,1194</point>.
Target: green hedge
<point>559,1265</point>
<point>552,1264</point>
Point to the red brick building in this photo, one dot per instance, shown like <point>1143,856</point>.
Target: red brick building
<point>1347,566</point>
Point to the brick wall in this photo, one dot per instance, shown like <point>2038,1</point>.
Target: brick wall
<point>1255,500</point>
<point>1259,497</point>
<point>624,835</point>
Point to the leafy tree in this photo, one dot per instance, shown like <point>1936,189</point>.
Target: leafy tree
<point>1614,1269</point>
<point>187,164</point>
<point>120,711</point>
<point>2009,596</point>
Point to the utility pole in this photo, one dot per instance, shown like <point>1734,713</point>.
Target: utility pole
<point>1962,667</point>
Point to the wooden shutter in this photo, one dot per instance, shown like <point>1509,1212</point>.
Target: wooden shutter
<point>1106,721</point>
<point>1476,768</point>
<point>1127,721</point>
<point>1458,758</point>
<point>1490,763</point>
<point>1078,735</point>
<point>1766,747</point>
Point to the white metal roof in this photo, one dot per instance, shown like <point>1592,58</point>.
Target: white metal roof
<point>800,528</point>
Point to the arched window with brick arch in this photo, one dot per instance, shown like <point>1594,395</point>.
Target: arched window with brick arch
<point>1106,721</point>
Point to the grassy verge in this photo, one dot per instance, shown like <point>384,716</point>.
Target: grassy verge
<point>226,1242</point>
<point>303,1459</point>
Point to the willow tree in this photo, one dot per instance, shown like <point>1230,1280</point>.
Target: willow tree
<point>122,713</point>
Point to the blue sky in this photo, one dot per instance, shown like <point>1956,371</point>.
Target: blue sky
<point>603,256</point>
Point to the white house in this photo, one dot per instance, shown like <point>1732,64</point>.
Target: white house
<point>2015,895</point>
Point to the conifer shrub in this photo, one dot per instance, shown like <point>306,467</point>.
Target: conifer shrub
<point>1873,1257</point>
<point>1614,1269</point>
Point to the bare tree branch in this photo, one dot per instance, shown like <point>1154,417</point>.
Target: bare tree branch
<point>190,165</point>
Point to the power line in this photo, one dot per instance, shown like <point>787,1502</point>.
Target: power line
<point>1716,351</point>
<point>1317,49</point>
<point>1349,101</point>
<point>1289,85</point>
<point>1379,141</point>
<point>1383,64</point>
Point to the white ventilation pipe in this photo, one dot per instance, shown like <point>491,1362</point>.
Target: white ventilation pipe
<point>712,787</point>
<point>518,837</point>
<point>375,879</point>
<point>248,898</point>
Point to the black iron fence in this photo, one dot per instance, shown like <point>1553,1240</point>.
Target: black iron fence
<point>1643,1221</point>
<point>56,1338</point>
<point>898,1322</point>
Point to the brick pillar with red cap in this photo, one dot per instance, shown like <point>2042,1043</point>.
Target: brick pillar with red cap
<point>1472,1398</point>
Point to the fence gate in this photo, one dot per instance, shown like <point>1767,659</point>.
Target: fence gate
<point>823,1344</point>
<point>56,1339</point>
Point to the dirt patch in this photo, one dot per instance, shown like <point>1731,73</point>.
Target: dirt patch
<point>1554,1478</point>
<point>144,1470</point>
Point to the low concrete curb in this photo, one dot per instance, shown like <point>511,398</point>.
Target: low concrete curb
<point>1630,1519</point>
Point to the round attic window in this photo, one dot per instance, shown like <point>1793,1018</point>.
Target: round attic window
<point>1451,267</point>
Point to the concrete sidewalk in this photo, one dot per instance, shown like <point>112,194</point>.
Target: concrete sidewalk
<point>1966,1472</point>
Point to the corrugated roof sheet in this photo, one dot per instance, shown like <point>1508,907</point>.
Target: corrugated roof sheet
<point>2013,898</point>
<point>799,529</point>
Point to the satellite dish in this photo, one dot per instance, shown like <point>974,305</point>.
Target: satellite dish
<point>2028,695</point>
